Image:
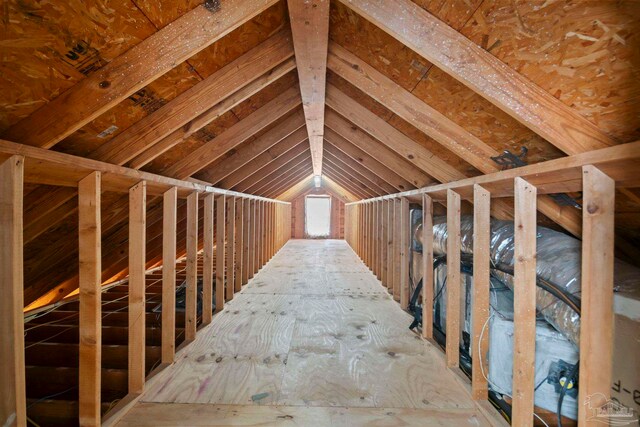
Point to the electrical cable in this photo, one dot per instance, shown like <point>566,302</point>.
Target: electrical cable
<point>565,387</point>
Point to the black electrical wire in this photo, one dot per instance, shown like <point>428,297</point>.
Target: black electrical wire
<point>569,378</point>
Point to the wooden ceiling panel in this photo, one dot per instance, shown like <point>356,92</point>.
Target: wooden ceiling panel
<point>481,118</point>
<point>455,13</point>
<point>139,105</point>
<point>49,46</point>
<point>382,51</point>
<point>372,105</point>
<point>584,53</point>
<point>241,40</point>
<point>223,123</point>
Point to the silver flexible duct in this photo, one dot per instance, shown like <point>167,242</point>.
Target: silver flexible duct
<point>558,261</point>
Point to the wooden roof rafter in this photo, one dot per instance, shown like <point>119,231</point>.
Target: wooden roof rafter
<point>436,125</point>
<point>310,29</point>
<point>197,160</point>
<point>291,130</point>
<point>267,165</point>
<point>366,160</point>
<point>273,171</point>
<point>478,69</point>
<point>133,70</point>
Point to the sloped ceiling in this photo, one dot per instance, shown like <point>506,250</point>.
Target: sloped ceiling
<point>584,54</point>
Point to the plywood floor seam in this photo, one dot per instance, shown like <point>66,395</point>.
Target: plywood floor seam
<point>313,336</point>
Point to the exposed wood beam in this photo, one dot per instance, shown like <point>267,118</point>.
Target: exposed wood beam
<point>137,260</point>
<point>410,108</point>
<point>197,106</point>
<point>390,136</point>
<point>356,174</point>
<point>366,160</point>
<point>310,28</point>
<point>272,181</point>
<point>476,68</point>
<point>251,176</point>
<point>301,172</point>
<point>565,216</point>
<point>297,189</point>
<point>53,204</point>
<point>390,158</point>
<point>355,165</point>
<point>290,128</point>
<point>133,70</point>
<point>90,310</point>
<point>338,189</point>
<point>232,137</point>
<point>352,180</point>
<point>12,374</point>
<point>256,183</point>
<point>620,163</point>
<point>346,185</point>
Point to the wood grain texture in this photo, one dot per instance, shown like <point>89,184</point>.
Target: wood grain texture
<point>312,330</point>
<point>132,70</point>
<point>453,279</point>
<point>481,290</point>
<point>137,258</point>
<point>524,302</point>
<point>230,232</point>
<point>412,109</point>
<point>191,300</point>
<point>239,245</point>
<point>220,236</point>
<point>232,137</point>
<point>310,29</point>
<point>194,102</point>
<point>476,68</point>
<point>596,320</point>
<point>90,314</point>
<point>427,267</point>
<point>169,237</point>
<point>12,378</point>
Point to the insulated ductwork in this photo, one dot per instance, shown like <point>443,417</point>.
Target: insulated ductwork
<point>558,264</point>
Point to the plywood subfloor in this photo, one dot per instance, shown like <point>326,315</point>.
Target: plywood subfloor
<point>313,339</point>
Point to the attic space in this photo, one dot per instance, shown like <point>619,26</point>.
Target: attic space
<point>320,213</point>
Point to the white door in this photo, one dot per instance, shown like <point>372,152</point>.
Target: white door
<point>318,216</point>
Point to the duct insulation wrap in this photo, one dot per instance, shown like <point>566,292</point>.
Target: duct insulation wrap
<point>558,262</point>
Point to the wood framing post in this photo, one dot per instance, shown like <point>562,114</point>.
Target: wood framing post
<point>90,281</point>
<point>481,290</point>
<point>257,253</point>
<point>246,244</point>
<point>390,246</point>
<point>427,267</point>
<point>596,320</point>
<point>264,228</point>
<point>230,229</point>
<point>405,242</point>
<point>453,279</point>
<point>207,260</point>
<point>220,255</point>
<point>397,244</point>
<point>191,303</point>
<point>374,238</point>
<point>239,245</point>
<point>137,254</point>
<point>384,238</point>
<point>253,239</point>
<point>169,230</point>
<point>12,370</point>
<point>524,303</point>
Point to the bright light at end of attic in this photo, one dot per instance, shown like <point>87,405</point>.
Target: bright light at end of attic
<point>317,180</point>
